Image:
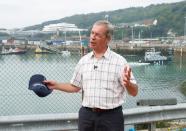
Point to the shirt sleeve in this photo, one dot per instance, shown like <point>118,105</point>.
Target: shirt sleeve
<point>77,76</point>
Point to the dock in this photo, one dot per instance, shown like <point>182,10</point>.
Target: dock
<point>117,46</point>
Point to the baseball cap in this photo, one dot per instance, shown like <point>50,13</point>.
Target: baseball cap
<point>36,84</point>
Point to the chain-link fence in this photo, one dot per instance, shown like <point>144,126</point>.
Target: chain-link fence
<point>156,81</point>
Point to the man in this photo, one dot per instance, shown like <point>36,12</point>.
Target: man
<point>104,77</point>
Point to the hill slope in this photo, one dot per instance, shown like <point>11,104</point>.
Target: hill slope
<point>169,16</point>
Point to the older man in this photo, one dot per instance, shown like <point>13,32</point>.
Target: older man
<point>104,76</point>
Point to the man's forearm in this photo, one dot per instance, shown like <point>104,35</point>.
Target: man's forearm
<point>67,87</point>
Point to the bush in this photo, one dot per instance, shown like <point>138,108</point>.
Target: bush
<point>160,124</point>
<point>183,88</point>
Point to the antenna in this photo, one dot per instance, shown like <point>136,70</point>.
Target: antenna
<point>185,31</point>
<point>107,17</point>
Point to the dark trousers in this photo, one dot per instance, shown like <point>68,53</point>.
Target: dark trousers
<point>111,120</point>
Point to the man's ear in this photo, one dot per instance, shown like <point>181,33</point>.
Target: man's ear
<point>108,38</point>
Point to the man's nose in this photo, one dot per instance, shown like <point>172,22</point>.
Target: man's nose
<point>92,37</point>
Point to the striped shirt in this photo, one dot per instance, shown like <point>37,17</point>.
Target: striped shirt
<point>101,80</point>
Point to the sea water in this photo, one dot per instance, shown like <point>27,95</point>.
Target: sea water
<point>155,81</point>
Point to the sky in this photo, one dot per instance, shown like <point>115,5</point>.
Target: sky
<point>23,13</point>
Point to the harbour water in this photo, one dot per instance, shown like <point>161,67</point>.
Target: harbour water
<point>155,82</point>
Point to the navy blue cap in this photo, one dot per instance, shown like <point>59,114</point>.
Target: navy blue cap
<point>36,84</point>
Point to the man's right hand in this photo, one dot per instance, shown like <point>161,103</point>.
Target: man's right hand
<point>51,84</point>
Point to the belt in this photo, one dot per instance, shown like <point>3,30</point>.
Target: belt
<point>102,110</point>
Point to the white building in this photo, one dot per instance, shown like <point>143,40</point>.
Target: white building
<point>62,27</point>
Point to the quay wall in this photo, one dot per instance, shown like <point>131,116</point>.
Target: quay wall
<point>124,47</point>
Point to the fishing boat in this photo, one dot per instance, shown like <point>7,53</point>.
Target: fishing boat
<point>12,51</point>
<point>153,56</point>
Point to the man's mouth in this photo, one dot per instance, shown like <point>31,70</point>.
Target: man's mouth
<point>92,43</point>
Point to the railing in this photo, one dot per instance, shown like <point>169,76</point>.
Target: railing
<point>68,121</point>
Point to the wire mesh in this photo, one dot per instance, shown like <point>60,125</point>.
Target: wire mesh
<point>155,81</point>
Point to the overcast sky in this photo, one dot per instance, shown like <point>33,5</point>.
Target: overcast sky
<point>21,13</point>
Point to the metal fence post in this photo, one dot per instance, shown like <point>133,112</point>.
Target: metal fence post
<point>152,126</point>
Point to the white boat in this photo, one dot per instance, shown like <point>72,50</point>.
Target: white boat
<point>138,64</point>
<point>152,56</point>
<point>66,53</point>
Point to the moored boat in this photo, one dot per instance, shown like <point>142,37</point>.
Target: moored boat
<point>154,57</point>
<point>66,53</point>
<point>13,51</point>
<point>39,50</point>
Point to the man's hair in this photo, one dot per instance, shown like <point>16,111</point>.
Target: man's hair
<point>108,25</point>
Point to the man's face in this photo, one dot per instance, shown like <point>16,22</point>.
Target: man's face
<point>98,38</point>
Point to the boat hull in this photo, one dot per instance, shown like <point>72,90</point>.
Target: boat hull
<point>13,52</point>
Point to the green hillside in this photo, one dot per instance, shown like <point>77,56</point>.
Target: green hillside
<point>169,16</point>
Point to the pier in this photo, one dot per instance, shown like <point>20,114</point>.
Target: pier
<point>115,45</point>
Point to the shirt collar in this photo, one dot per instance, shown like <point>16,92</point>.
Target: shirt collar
<point>106,55</point>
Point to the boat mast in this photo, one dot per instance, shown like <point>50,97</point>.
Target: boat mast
<point>185,32</point>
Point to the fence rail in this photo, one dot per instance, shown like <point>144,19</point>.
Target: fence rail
<point>68,121</point>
